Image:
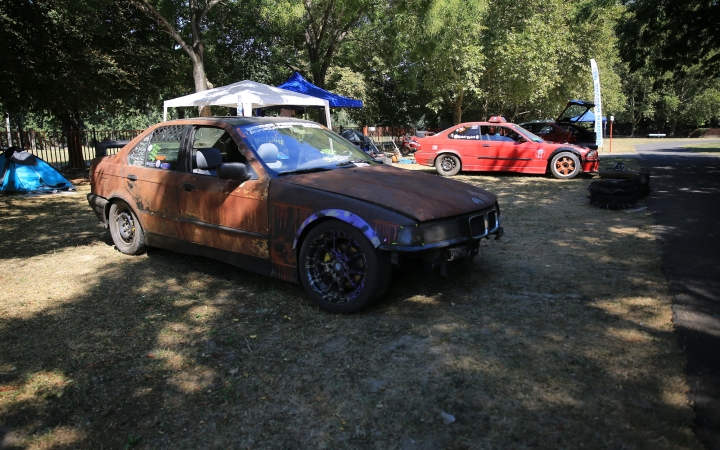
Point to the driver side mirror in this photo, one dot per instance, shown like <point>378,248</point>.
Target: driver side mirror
<point>233,171</point>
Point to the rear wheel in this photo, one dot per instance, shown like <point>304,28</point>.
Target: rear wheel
<point>340,269</point>
<point>447,165</point>
<point>565,166</point>
<point>126,232</point>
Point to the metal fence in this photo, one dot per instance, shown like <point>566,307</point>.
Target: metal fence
<point>51,146</point>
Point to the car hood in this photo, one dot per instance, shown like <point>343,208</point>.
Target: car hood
<point>418,195</point>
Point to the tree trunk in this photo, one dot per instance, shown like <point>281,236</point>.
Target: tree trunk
<point>71,128</point>
<point>200,78</point>
<point>457,107</point>
<point>673,126</point>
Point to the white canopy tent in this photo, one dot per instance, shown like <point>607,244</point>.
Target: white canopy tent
<point>245,96</point>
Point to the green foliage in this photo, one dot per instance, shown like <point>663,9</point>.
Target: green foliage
<point>671,34</point>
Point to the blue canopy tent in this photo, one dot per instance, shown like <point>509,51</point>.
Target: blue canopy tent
<point>23,172</point>
<point>297,83</point>
<point>588,116</point>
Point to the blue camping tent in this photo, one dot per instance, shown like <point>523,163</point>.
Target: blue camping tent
<point>23,172</point>
<point>297,83</point>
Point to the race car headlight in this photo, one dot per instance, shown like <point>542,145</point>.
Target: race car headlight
<point>592,154</point>
<point>409,236</point>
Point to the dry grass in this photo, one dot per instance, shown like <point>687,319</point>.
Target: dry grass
<point>557,336</point>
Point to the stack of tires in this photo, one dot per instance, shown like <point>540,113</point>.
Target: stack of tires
<point>619,188</point>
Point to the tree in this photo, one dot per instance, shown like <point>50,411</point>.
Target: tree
<point>70,56</point>
<point>320,26</point>
<point>187,31</point>
<point>671,34</point>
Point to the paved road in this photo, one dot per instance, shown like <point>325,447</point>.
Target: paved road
<point>686,205</point>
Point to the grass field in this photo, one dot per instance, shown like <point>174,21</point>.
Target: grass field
<point>627,145</point>
<point>559,335</point>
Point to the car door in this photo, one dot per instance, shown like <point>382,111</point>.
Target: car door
<point>230,215</point>
<point>464,141</point>
<point>151,179</point>
<point>503,148</point>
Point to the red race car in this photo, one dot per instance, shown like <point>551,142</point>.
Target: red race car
<point>497,145</point>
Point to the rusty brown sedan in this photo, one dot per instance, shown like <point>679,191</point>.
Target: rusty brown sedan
<point>289,199</point>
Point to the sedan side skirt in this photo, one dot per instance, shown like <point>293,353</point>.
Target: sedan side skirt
<point>253,264</point>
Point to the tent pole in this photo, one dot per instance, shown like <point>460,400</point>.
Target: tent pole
<point>164,113</point>
<point>327,116</point>
<point>7,127</point>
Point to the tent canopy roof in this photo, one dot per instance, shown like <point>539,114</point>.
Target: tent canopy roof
<point>297,83</point>
<point>246,92</point>
<point>588,116</point>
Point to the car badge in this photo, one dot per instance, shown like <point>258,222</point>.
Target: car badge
<point>477,200</point>
<point>540,153</point>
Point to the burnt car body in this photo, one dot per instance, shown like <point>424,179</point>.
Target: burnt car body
<point>568,127</point>
<point>497,145</point>
<point>285,198</point>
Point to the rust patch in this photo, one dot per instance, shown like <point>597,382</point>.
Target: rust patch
<point>260,248</point>
<point>387,232</point>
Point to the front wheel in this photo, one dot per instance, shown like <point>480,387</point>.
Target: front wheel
<point>565,166</point>
<point>447,165</point>
<point>340,269</point>
<point>126,232</point>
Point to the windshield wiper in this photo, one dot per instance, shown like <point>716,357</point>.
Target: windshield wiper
<point>353,162</point>
<point>309,170</point>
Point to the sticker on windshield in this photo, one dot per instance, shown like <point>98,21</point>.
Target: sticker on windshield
<point>280,125</point>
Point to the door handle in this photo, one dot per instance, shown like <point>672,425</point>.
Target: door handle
<point>486,145</point>
<point>132,177</point>
<point>188,187</point>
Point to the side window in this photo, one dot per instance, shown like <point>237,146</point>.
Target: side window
<point>214,146</point>
<point>211,137</point>
<point>467,132</point>
<point>159,150</point>
<point>545,130</point>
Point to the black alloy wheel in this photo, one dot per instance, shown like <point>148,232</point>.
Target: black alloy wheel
<point>340,269</point>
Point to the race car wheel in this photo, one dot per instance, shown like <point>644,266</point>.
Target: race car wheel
<point>565,165</point>
<point>126,232</point>
<point>447,165</point>
<point>340,269</point>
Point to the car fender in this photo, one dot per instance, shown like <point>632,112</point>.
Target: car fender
<point>345,216</point>
<point>443,151</point>
<point>565,149</point>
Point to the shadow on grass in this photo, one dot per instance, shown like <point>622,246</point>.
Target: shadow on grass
<point>552,337</point>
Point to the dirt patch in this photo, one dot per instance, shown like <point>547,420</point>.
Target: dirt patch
<point>557,336</point>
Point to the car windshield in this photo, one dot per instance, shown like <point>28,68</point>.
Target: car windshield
<point>297,147</point>
<point>528,134</point>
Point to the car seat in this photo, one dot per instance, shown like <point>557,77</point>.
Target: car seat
<point>268,152</point>
<point>207,160</point>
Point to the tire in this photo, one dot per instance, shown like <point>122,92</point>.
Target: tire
<point>614,201</point>
<point>125,229</point>
<point>565,166</point>
<point>625,186</point>
<point>340,269</point>
<point>447,165</point>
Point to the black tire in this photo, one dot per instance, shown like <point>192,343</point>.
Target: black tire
<point>611,201</point>
<point>613,186</point>
<point>447,165</point>
<point>340,269</point>
<point>565,165</point>
<point>125,229</point>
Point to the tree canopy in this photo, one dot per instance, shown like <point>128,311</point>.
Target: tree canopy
<point>412,62</point>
